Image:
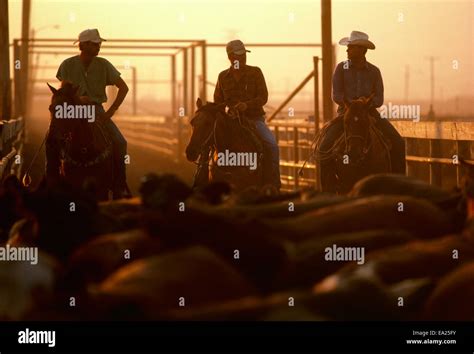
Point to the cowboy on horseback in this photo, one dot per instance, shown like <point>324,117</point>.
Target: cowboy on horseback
<point>353,79</point>
<point>91,74</point>
<point>243,87</point>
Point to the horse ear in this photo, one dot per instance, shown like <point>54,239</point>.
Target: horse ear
<point>53,90</point>
<point>369,99</point>
<point>347,103</point>
<point>199,103</point>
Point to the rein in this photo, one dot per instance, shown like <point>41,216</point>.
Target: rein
<point>213,134</point>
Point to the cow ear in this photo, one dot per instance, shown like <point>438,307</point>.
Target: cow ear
<point>53,90</point>
<point>199,103</point>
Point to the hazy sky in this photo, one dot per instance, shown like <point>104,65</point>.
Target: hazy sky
<point>404,32</point>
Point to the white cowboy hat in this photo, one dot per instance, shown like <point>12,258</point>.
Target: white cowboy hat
<point>358,38</point>
<point>90,35</point>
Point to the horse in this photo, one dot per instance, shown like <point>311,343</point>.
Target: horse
<point>228,144</point>
<point>361,149</point>
<point>79,151</point>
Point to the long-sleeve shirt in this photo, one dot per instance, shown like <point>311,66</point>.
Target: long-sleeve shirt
<point>351,83</point>
<point>250,89</point>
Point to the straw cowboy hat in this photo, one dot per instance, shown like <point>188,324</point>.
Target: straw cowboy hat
<point>358,38</point>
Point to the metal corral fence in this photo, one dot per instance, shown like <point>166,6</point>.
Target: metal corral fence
<point>163,134</point>
<point>432,148</point>
<point>11,146</point>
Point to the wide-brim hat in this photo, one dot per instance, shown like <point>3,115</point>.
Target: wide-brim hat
<point>358,38</point>
<point>90,35</point>
<point>236,47</point>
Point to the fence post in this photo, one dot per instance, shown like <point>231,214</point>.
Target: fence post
<point>193,80</point>
<point>296,156</point>
<point>134,90</point>
<point>463,150</point>
<point>316,94</point>
<point>435,168</point>
<point>204,72</point>
<point>17,78</point>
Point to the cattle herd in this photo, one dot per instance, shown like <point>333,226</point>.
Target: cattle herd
<point>394,248</point>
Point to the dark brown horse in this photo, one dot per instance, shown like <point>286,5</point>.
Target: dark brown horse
<point>78,148</point>
<point>361,149</point>
<point>226,144</point>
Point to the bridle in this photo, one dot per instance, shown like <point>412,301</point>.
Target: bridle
<point>66,147</point>
<point>366,142</point>
<point>212,135</point>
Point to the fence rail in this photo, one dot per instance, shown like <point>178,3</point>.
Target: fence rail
<point>11,145</point>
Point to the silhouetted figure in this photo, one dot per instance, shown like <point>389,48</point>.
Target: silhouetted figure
<point>243,86</point>
<point>92,74</point>
<point>353,79</point>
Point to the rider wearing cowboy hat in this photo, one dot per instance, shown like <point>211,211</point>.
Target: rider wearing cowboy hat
<point>355,78</point>
<point>92,74</point>
<point>243,86</point>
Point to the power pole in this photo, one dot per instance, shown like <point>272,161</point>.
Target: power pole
<point>5,84</point>
<point>431,114</point>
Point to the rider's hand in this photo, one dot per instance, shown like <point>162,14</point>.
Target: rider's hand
<point>241,106</point>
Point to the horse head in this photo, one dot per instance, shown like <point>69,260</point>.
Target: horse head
<point>357,122</point>
<point>202,125</point>
<point>79,140</point>
<point>67,94</point>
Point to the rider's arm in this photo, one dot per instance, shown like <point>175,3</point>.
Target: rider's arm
<point>122,93</point>
<point>338,85</point>
<point>262,93</point>
<point>377,101</point>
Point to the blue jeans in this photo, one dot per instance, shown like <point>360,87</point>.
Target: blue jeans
<point>119,146</point>
<point>271,159</point>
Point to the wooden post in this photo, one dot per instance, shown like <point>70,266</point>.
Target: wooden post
<point>185,106</point>
<point>316,94</point>
<point>435,168</point>
<point>463,150</point>
<point>134,90</point>
<point>204,72</point>
<point>193,80</point>
<point>296,156</point>
<point>24,56</point>
<point>185,82</point>
<point>173,86</point>
<point>327,59</point>
<point>5,88</point>
<point>17,78</point>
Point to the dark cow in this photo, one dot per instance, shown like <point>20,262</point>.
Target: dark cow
<point>188,279</point>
